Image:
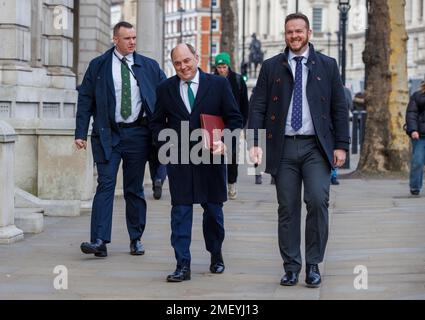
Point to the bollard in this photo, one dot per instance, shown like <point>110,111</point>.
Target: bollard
<point>9,233</point>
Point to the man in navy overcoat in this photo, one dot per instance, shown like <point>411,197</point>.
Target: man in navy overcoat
<point>118,91</point>
<point>299,99</point>
<point>181,100</point>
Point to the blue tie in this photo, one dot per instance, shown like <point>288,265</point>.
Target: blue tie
<point>297,103</point>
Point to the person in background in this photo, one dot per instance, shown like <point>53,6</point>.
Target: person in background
<point>415,122</point>
<point>240,92</point>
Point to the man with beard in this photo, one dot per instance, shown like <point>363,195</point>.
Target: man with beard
<point>299,99</point>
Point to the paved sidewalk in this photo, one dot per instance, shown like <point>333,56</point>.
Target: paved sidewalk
<point>374,223</point>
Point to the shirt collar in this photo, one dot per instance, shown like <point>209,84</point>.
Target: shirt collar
<point>292,55</point>
<point>128,57</point>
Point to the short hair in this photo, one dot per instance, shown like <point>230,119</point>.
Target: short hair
<point>191,49</point>
<point>298,15</point>
<point>123,24</point>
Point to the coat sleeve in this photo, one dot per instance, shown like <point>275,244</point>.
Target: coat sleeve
<point>258,105</point>
<point>86,103</point>
<point>244,104</point>
<point>232,116</point>
<point>412,115</point>
<point>339,111</point>
<point>159,117</point>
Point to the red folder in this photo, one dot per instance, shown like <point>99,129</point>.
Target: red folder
<point>214,127</point>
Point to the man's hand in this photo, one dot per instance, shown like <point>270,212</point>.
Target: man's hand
<point>415,135</point>
<point>339,157</point>
<point>256,155</point>
<point>219,147</point>
<point>80,144</point>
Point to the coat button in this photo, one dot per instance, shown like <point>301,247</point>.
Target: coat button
<point>318,78</point>
<point>269,136</point>
<point>323,98</point>
<point>273,117</point>
<point>278,80</point>
<point>275,98</point>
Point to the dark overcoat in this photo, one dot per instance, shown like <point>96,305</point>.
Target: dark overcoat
<point>195,183</point>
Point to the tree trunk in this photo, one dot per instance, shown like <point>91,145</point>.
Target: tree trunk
<point>229,29</point>
<point>386,146</point>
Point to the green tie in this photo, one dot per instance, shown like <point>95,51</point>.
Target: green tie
<point>126,90</point>
<point>190,94</point>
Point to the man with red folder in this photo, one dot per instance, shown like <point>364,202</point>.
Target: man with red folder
<point>181,101</point>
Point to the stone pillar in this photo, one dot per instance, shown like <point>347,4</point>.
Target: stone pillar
<point>8,231</point>
<point>95,35</point>
<point>150,39</point>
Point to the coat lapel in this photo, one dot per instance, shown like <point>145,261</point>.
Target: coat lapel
<point>202,89</point>
<point>174,89</point>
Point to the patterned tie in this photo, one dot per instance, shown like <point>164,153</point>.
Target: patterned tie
<point>126,90</point>
<point>297,103</point>
<point>190,94</point>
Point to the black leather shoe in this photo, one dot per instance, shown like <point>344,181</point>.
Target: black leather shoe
<point>217,267</point>
<point>97,248</point>
<point>312,278</point>
<point>217,264</point>
<point>157,189</point>
<point>181,274</point>
<point>289,279</point>
<point>414,192</point>
<point>136,248</point>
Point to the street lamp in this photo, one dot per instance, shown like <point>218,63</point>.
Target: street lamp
<point>243,67</point>
<point>329,35</point>
<point>343,7</point>
<point>181,10</point>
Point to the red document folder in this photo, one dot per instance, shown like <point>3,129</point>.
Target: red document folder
<point>214,126</point>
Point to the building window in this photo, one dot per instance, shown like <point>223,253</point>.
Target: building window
<point>214,3</point>
<point>214,48</point>
<point>317,19</point>
<point>214,24</point>
<point>421,9</point>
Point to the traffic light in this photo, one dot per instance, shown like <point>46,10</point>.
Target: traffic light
<point>244,71</point>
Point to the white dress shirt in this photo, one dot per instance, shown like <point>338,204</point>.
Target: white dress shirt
<point>183,90</point>
<point>307,123</point>
<point>136,101</point>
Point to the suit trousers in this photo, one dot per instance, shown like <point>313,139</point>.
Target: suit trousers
<point>133,149</point>
<point>302,163</point>
<point>181,230</point>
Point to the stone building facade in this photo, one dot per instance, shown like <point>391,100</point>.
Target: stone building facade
<point>266,19</point>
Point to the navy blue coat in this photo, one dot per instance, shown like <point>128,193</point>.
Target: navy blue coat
<point>96,97</point>
<point>325,93</point>
<point>195,183</point>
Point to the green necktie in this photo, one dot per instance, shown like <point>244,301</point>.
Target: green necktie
<point>126,90</point>
<point>190,94</point>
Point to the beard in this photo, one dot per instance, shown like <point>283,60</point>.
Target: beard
<point>297,46</point>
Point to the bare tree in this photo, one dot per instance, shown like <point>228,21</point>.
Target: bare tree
<point>229,30</point>
<point>385,148</point>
